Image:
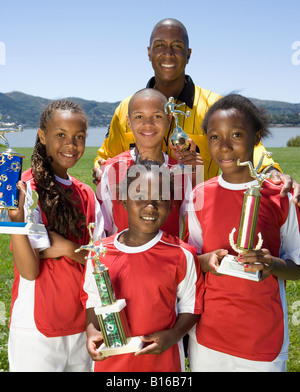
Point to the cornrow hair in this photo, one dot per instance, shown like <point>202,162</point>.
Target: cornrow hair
<point>62,211</point>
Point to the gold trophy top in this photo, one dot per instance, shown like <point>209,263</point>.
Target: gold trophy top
<point>170,108</point>
<point>179,139</point>
<point>98,250</point>
<point>253,190</point>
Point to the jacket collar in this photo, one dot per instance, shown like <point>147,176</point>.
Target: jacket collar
<point>187,94</point>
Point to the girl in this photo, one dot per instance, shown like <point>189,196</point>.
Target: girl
<point>157,274</point>
<point>244,326</point>
<point>47,319</point>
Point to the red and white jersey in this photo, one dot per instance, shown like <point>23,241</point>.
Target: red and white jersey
<point>243,318</point>
<point>116,217</point>
<point>158,280</point>
<point>51,303</point>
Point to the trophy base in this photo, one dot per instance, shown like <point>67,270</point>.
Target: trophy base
<point>22,228</point>
<point>134,344</point>
<point>229,266</point>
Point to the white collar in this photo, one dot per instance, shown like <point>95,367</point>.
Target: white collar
<point>64,181</point>
<point>137,249</point>
<point>235,187</point>
<point>133,156</point>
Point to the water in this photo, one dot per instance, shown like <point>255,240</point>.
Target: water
<point>95,137</point>
<point>26,138</point>
<point>280,136</point>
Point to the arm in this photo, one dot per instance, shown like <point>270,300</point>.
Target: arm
<point>288,184</point>
<point>268,264</point>
<point>26,258</point>
<point>60,246</point>
<point>277,176</point>
<point>162,340</point>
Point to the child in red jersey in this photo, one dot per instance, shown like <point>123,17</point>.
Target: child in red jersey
<point>244,326</point>
<point>149,123</point>
<point>47,326</point>
<point>158,275</point>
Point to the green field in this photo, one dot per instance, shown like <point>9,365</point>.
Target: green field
<point>288,158</point>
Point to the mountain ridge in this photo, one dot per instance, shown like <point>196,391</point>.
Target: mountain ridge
<point>25,109</point>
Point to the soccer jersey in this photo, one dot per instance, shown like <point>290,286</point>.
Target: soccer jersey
<point>198,100</point>
<point>158,280</point>
<point>51,303</point>
<point>116,217</point>
<point>243,318</point>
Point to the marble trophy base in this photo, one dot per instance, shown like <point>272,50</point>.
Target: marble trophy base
<point>22,228</point>
<point>230,266</point>
<point>133,344</point>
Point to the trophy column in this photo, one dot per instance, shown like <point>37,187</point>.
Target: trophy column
<point>111,317</point>
<point>247,226</point>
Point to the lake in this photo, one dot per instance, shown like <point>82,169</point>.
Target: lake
<point>95,137</point>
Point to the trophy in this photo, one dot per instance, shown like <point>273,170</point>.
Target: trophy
<point>247,227</point>
<point>111,313</point>
<point>178,139</point>
<point>10,173</point>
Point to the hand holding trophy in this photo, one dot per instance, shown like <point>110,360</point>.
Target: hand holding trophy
<point>111,315</point>
<point>10,174</point>
<point>247,227</point>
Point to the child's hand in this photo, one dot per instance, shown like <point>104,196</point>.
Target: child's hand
<point>17,215</point>
<point>60,246</point>
<point>94,341</point>
<point>98,171</point>
<point>190,156</point>
<point>210,262</point>
<point>156,343</point>
<point>57,248</point>
<point>257,260</point>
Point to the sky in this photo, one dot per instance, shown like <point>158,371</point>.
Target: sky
<point>97,50</point>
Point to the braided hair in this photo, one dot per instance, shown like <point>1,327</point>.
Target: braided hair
<point>57,203</point>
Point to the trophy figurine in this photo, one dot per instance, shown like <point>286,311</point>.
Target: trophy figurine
<point>178,139</point>
<point>10,173</point>
<point>247,227</point>
<point>111,313</point>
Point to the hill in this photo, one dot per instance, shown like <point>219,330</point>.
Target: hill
<point>25,109</point>
<point>281,113</point>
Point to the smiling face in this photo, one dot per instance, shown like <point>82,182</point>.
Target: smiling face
<point>169,52</point>
<point>231,137</point>
<point>148,121</point>
<point>147,208</point>
<point>64,139</point>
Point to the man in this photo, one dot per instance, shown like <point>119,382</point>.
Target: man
<point>169,54</point>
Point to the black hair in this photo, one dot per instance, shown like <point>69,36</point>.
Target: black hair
<point>142,165</point>
<point>256,116</point>
<point>147,92</point>
<point>57,203</point>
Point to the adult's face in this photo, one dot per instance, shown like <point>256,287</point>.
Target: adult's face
<point>169,53</point>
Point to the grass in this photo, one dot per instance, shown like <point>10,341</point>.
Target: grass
<point>288,158</point>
